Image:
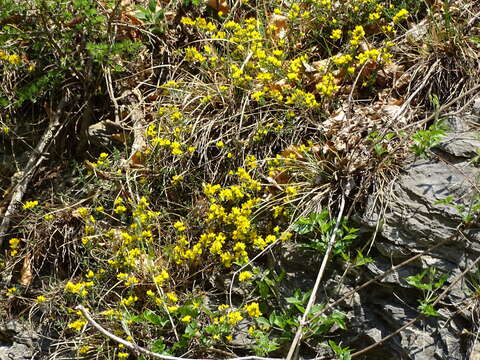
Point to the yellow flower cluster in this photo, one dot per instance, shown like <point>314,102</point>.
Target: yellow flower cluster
<point>401,15</point>
<point>161,278</point>
<point>129,301</point>
<point>245,276</point>
<point>77,325</point>
<point>230,212</point>
<point>14,245</point>
<point>357,34</point>
<point>12,58</point>
<point>169,137</point>
<point>79,288</point>
<point>327,86</point>
<point>30,205</point>
<point>253,310</point>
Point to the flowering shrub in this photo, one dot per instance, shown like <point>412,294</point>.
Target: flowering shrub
<point>173,243</point>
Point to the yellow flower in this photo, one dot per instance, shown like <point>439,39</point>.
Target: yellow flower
<point>172,297</point>
<point>30,205</point>
<point>186,319</point>
<point>128,301</point>
<point>41,299</point>
<point>245,275</point>
<point>120,209</point>
<point>77,325</point>
<point>84,349</point>
<point>14,243</point>
<point>401,15</point>
<point>336,34</point>
<point>161,278</point>
<point>253,310</point>
<point>179,226</point>
<point>122,355</point>
<point>12,291</point>
<point>234,317</point>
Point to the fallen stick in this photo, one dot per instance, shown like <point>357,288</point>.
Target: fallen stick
<point>139,349</point>
<point>311,301</point>
<point>36,158</point>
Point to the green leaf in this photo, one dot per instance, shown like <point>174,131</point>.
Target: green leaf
<point>428,310</point>
<point>263,289</point>
<point>158,346</point>
<point>446,201</point>
<point>152,6</point>
<point>263,322</point>
<point>153,318</point>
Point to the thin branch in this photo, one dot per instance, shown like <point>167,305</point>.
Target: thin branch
<point>36,158</point>
<point>138,349</point>
<point>311,301</point>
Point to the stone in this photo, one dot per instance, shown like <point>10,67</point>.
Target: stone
<point>413,221</point>
<point>17,341</point>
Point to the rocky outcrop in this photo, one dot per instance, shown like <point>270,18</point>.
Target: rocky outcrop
<point>18,342</point>
<point>433,199</point>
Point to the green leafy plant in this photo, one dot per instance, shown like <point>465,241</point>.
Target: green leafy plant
<point>152,16</point>
<point>285,322</point>
<point>429,282</point>
<point>343,353</point>
<point>425,139</point>
<point>318,228</point>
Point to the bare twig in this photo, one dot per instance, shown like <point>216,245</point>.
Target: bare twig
<point>138,349</point>
<point>311,301</point>
<point>36,158</point>
<point>441,108</point>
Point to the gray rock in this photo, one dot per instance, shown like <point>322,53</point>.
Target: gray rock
<point>465,145</point>
<point>412,222</point>
<point>17,341</point>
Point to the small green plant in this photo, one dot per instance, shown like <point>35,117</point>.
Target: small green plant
<point>319,226</point>
<point>467,213</point>
<point>429,281</point>
<point>152,16</point>
<point>286,321</point>
<point>342,353</point>
<point>425,139</point>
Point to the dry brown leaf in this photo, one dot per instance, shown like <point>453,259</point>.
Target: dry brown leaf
<point>396,102</point>
<point>218,5</point>
<point>120,137</point>
<point>389,74</point>
<point>280,24</point>
<point>292,149</point>
<point>26,275</point>
<point>137,159</point>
